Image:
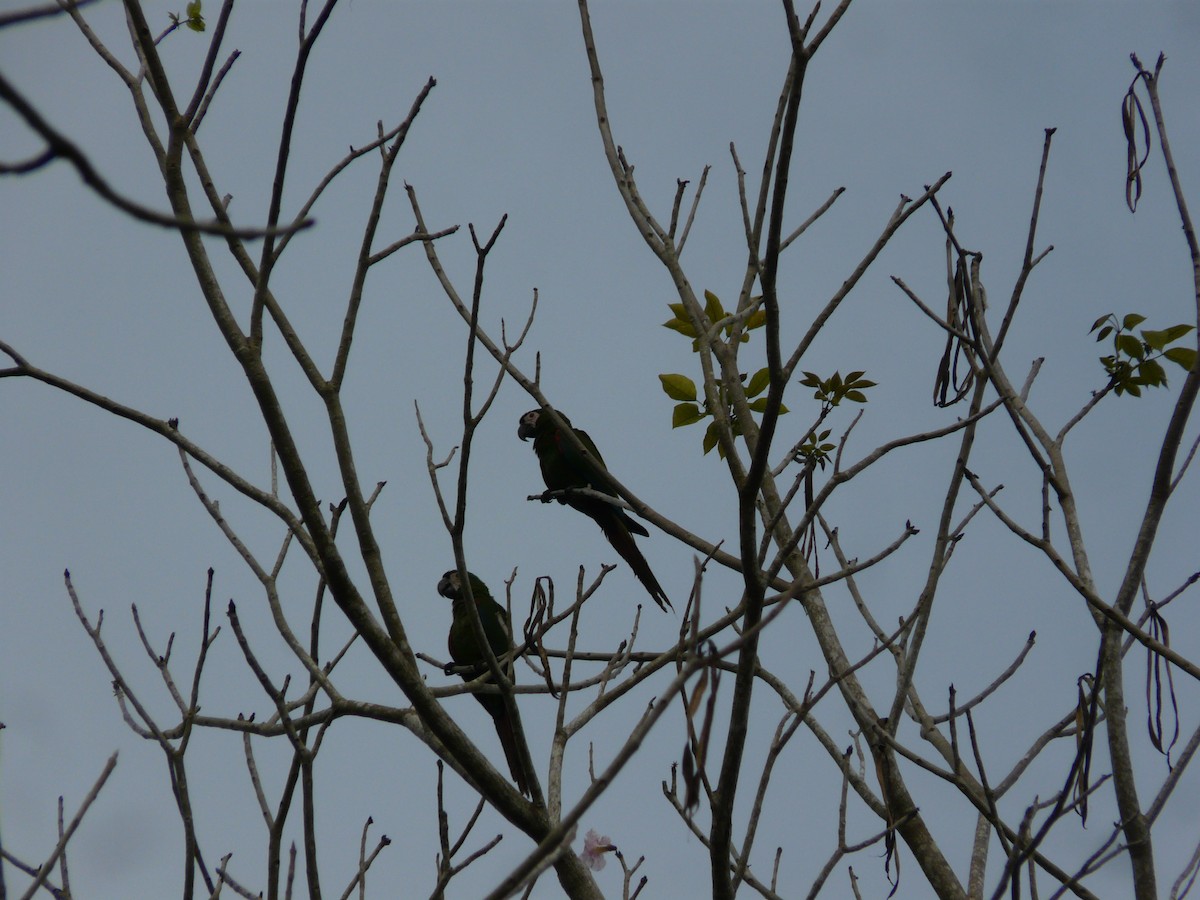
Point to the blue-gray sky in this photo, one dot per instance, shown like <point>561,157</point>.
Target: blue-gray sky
<point>901,93</point>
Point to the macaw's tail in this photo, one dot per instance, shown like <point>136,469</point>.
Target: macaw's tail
<point>616,527</point>
<point>508,740</point>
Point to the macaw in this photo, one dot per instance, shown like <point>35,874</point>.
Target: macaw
<point>563,466</point>
<point>466,651</point>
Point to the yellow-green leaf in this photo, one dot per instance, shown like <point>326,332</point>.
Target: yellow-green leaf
<point>712,307</point>
<point>1160,339</point>
<point>1130,346</point>
<point>1182,356</point>
<point>684,328</point>
<point>678,387</point>
<point>685,414</point>
<point>1151,374</point>
<point>195,20</point>
<point>758,382</point>
<point>1133,320</point>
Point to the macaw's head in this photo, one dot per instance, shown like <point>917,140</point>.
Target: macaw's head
<point>528,426</point>
<point>450,586</point>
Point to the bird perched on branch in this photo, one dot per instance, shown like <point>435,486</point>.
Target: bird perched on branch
<point>468,653</point>
<point>564,467</point>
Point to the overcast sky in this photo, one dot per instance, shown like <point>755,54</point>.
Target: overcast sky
<point>900,94</point>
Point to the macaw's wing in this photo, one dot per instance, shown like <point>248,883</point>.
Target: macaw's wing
<point>565,465</point>
<point>494,705</point>
<point>580,470</point>
<point>590,468</point>
<point>463,643</point>
<point>466,650</point>
<point>494,619</point>
<point>610,518</point>
<point>561,473</point>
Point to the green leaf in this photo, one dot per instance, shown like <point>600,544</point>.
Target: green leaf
<point>1151,374</point>
<point>1100,321</point>
<point>195,20</point>
<point>1160,339</point>
<point>758,382</point>
<point>1131,321</point>
<point>684,328</point>
<point>1129,345</point>
<point>710,438</point>
<point>856,396</point>
<point>760,405</point>
<point>1177,331</point>
<point>757,319</point>
<point>1182,356</point>
<point>1156,339</point>
<point>1104,332</point>
<point>713,308</point>
<point>685,414</point>
<point>679,309</point>
<point>678,387</point>
<point>811,379</point>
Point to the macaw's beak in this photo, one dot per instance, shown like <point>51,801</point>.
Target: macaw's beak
<point>524,431</point>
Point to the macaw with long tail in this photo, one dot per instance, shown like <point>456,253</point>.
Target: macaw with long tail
<point>467,652</point>
<point>564,466</point>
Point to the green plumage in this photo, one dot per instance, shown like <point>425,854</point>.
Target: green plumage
<point>467,652</point>
<point>564,466</point>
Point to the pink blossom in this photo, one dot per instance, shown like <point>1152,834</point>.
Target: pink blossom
<point>594,848</point>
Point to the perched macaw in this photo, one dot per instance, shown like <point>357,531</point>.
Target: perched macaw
<point>563,466</point>
<point>466,651</point>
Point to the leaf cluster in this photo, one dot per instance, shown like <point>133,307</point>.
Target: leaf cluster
<point>1134,362</point>
<point>193,17</point>
<point>691,408</point>
<point>715,312</point>
<point>833,390</point>
<point>816,448</point>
